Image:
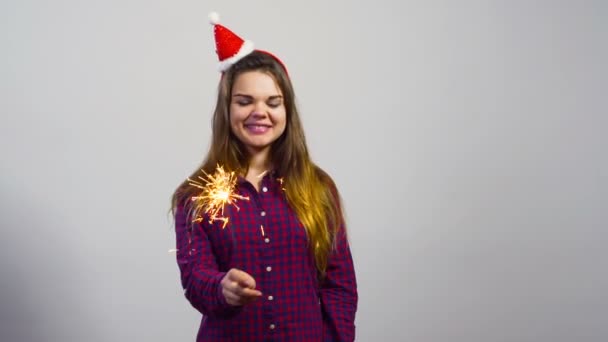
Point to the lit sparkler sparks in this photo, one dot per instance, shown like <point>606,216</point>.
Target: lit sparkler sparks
<point>280,180</point>
<point>217,192</point>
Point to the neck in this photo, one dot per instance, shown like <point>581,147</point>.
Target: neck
<point>258,162</point>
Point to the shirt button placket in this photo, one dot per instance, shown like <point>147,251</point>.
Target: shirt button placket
<point>267,259</point>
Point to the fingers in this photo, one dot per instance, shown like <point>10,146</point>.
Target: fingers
<point>233,298</point>
<point>238,288</point>
<point>245,292</point>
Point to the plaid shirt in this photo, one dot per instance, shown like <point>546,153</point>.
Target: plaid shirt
<point>265,239</point>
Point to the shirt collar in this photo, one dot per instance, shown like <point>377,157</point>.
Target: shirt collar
<point>272,174</point>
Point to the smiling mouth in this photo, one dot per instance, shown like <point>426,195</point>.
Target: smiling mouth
<point>257,129</point>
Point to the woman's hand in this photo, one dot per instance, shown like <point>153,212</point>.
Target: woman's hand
<point>238,288</point>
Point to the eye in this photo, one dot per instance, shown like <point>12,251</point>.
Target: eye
<point>243,103</point>
<point>274,104</point>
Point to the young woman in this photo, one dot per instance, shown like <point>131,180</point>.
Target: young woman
<point>277,265</point>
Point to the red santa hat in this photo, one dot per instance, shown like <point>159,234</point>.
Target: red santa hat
<point>231,48</point>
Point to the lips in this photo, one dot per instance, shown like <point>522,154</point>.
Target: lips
<point>257,128</point>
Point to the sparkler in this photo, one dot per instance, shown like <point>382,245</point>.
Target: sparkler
<point>280,180</point>
<point>217,192</point>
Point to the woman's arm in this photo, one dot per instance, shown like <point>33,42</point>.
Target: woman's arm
<point>339,295</point>
<point>198,267</point>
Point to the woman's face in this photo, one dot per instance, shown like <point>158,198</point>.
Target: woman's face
<point>257,111</point>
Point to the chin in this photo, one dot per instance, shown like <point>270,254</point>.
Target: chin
<point>259,144</point>
<point>259,140</point>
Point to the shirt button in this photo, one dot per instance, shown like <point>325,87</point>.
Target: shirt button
<point>263,213</point>
<point>272,326</point>
<point>267,240</point>
<point>268,269</point>
<point>265,189</point>
<point>270,297</point>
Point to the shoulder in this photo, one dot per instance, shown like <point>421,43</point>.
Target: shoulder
<point>182,198</point>
<point>324,177</point>
<point>329,184</point>
<point>181,193</point>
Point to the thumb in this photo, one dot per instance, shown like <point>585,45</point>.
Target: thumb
<point>244,279</point>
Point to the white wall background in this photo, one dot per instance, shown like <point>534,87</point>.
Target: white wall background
<point>468,139</point>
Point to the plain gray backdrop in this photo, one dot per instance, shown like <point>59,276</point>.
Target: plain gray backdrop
<point>468,140</point>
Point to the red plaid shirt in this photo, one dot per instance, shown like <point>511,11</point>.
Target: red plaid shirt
<point>265,239</point>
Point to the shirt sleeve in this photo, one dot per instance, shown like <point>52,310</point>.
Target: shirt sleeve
<point>199,272</point>
<point>339,293</point>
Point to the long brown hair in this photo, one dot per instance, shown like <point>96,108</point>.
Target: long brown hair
<point>310,192</point>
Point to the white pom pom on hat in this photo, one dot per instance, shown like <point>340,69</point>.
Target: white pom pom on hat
<point>214,18</point>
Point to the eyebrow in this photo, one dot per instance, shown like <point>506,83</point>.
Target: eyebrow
<point>273,97</point>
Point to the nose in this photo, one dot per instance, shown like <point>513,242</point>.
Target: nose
<point>258,114</point>
<point>259,110</point>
